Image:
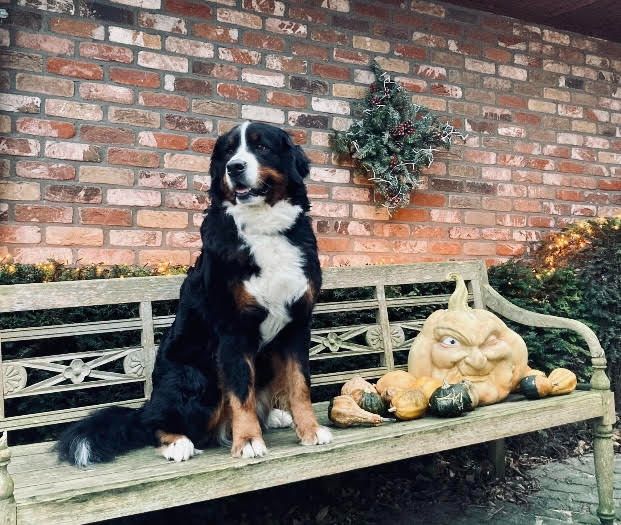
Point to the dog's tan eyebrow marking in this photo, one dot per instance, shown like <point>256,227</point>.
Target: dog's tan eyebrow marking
<point>254,137</point>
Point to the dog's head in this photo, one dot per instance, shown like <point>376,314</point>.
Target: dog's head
<point>255,164</point>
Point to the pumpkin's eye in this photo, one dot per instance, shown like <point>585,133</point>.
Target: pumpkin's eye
<point>450,341</point>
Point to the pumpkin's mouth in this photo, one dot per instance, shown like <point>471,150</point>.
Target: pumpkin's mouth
<point>476,378</point>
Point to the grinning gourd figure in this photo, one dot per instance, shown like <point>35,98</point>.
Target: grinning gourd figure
<point>464,343</point>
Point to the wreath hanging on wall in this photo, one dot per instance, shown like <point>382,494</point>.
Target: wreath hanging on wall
<point>394,141</point>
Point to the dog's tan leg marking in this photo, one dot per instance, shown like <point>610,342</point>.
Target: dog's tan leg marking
<point>298,392</point>
<point>247,438</point>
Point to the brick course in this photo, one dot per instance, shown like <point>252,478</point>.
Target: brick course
<point>108,122</point>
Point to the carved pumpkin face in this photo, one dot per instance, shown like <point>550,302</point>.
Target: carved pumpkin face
<point>472,344</point>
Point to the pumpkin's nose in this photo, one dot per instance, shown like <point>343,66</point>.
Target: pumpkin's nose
<point>476,359</point>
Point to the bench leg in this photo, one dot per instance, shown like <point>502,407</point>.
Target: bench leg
<point>603,453</point>
<point>8,510</point>
<point>497,452</point>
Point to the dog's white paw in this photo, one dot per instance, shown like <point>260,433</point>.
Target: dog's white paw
<point>322,436</point>
<point>279,419</point>
<point>255,448</point>
<point>181,450</point>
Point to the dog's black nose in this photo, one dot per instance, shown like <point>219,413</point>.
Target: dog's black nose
<point>236,168</point>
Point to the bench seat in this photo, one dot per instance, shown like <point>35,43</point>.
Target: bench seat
<point>44,487</point>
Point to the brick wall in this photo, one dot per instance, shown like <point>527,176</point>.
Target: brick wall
<point>110,111</point>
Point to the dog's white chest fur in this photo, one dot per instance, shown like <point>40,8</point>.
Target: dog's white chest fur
<point>282,280</point>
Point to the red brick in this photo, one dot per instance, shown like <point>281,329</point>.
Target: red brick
<point>286,64</point>
<point>161,219</point>
<point>479,248</point>
<point>163,140</point>
<point>131,197</point>
<point>331,244</point>
<point>73,236</point>
<point>510,249</point>
<point>43,170</point>
<point>498,55</point>
<point>41,213</point>
<point>135,77</point>
<point>371,245</point>
<point>609,185</point>
<point>331,71</point>
<point>106,135</point>
<point>445,248</point>
<point>160,179</point>
<point>106,52</point>
<point>186,201</point>
<point>287,100</point>
<point>72,151</point>
<point>74,68</point>
<point>541,222</point>
<point>480,157</point>
<point>133,157</point>
<point>570,195</point>
<point>74,27</point>
<point>186,8</point>
<point>411,215</point>
<point>20,234</point>
<point>163,100</point>
<point>106,216</point>
<point>134,117</point>
<point>216,33</point>
<point>19,147</point>
<point>83,194</point>
<point>308,14</point>
<point>135,238</point>
<point>410,51</point>
<point>480,217</point>
<point>185,162</point>
<point>263,41</point>
<point>107,175</point>
<point>183,239</point>
<point>203,145</point>
<point>246,94</point>
<point>37,255</point>
<point>464,232</point>
<point>309,51</point>
<point>156,257</point>
<point>571,167</point>
<point>239,56</point>
<point>45,128</point>
<point>49,44</point>
<point>105,256</point>
<point>42,84</point>
<point>329,36</point>
<point>350,57</point>
<point>106,93</point>
<point>192,86</point>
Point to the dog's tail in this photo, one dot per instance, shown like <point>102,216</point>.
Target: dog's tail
<point>104,435</point>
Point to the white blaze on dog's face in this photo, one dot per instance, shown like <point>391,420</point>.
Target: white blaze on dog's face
<point>256,164</point>
<point>242,169</point>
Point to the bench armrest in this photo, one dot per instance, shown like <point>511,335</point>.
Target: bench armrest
<point>496,302</point>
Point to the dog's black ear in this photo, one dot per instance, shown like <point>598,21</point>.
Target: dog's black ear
<point>217,155</point>
<point>300,160</point>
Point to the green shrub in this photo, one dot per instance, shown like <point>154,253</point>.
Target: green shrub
<point>576,273</point>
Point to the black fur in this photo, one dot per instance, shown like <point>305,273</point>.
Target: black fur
<point>203,356</point>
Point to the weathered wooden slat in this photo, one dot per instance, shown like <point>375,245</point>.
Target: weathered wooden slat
<point>67,294</point>
<point>353,277</point>
<point>420,300</point>
<point>108,352</point>
<point>59,416</point>
<point>150,483</point>
<point>65,330</point>
<point>345,306</point>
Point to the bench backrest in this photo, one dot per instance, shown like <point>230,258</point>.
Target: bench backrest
<point>363,324</point>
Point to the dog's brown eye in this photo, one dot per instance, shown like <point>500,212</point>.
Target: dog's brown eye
<point>262,147</point>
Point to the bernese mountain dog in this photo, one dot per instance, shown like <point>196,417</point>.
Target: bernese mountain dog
<point>235,360</point>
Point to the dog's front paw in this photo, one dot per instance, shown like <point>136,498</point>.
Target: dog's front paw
<point>180,450</point>
<point>279,419</point>
<point>249,448</point>
<point>320,436</point>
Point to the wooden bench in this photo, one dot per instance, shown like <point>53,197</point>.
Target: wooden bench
<point>36,489</point>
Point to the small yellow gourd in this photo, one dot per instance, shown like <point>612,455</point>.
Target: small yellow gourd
<point>409,404</point>
<point>344,412</point>
<point>357,383</point>
<point>395,380</point>
<point>563,381</point>
<point>427,385</point>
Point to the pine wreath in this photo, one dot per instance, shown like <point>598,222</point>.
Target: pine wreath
<point>395,140</point>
